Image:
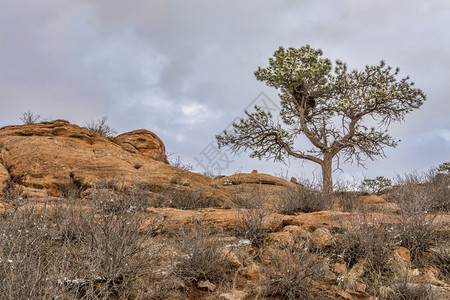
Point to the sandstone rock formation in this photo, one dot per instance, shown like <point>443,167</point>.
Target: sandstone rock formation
<point>50,154</point>
<point>144,142</point>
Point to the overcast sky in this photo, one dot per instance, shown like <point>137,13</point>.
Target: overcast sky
<point>184,69</point>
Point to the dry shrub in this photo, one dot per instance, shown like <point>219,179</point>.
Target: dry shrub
<point>367,243</point>
<point>72,189</point>
<point>292,273</point>
<point>253,224</point>
<point>422,198</point>
<point>301,199</point>
<point>184,198</point>
<point>111,255</point>
<point>440,259</point>
<point>201,256</point>
<point>101,127</point>
<point>245,196</point>
<point>408,291</point>
<point>419,233</point>
<point>346,196</point>
<point>26,260</point>
<point>349,201</point>
<point>418,223</point>
<point>66,252</point>
<point>12,193</point>
<point>254,221</point>
<point>416,192</point>
<point>114,197</point>
<point>29,117</point>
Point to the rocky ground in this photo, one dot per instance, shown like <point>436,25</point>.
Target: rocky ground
<point>92,217</point>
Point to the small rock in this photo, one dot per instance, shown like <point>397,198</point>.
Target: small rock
<point>280,239</point>
<point>322,238</point>
<point>206,285</point>
<point>250,274</point>
<point>432,273</point>
<point>228,182</point>
<point>344,295</point>
<point>294,180</point>
<point>404,253</point>
<point>235,295</point>
<point>327,275</point>
<point>232,258</point>
<point>415,272</point>
<point>255,172</point>
<point>360,287</point>
<point>339,268</point>
<point>297,231</point>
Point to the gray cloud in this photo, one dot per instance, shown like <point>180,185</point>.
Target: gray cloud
<point>184,69</point>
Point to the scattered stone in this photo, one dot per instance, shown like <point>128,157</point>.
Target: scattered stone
<point>297,231</point>
<point>235,295</point>
<point>344,295</point>
<point>339,268</point>
<point>294,180</point>
<point>250,274</point>
<point>360,287</point>
<point>228,182</point>
<point>327,274</point>
<point>404,253</point>
<point>240,243</point>
<point>322,238</point>
<point>432,273</point>
<point>255,172</point>
<point>280,239</point>
<point>232,258</point>
<point>206,285</point>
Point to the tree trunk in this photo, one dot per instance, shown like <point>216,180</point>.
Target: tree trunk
<point>327,179</point>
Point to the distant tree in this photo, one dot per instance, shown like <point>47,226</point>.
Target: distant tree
<point>444,167</point>
<point>101,127</point>
<point>343,114</point>
<point>30,118</point>
<point>377,185</point>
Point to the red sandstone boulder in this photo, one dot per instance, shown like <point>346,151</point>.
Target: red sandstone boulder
<point>48,155</point>
<point>144,142</point>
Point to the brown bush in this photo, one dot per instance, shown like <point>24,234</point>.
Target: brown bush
<point>26,256</point>
<point>426,192</point>
<point>292,273</point>
<point>201,256</point>
<point>184,198</point>
<point>409,291</point>
<point>302,199</point>
<point>74,253</point>
<point>367,241</point>
<point>253,222</point>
